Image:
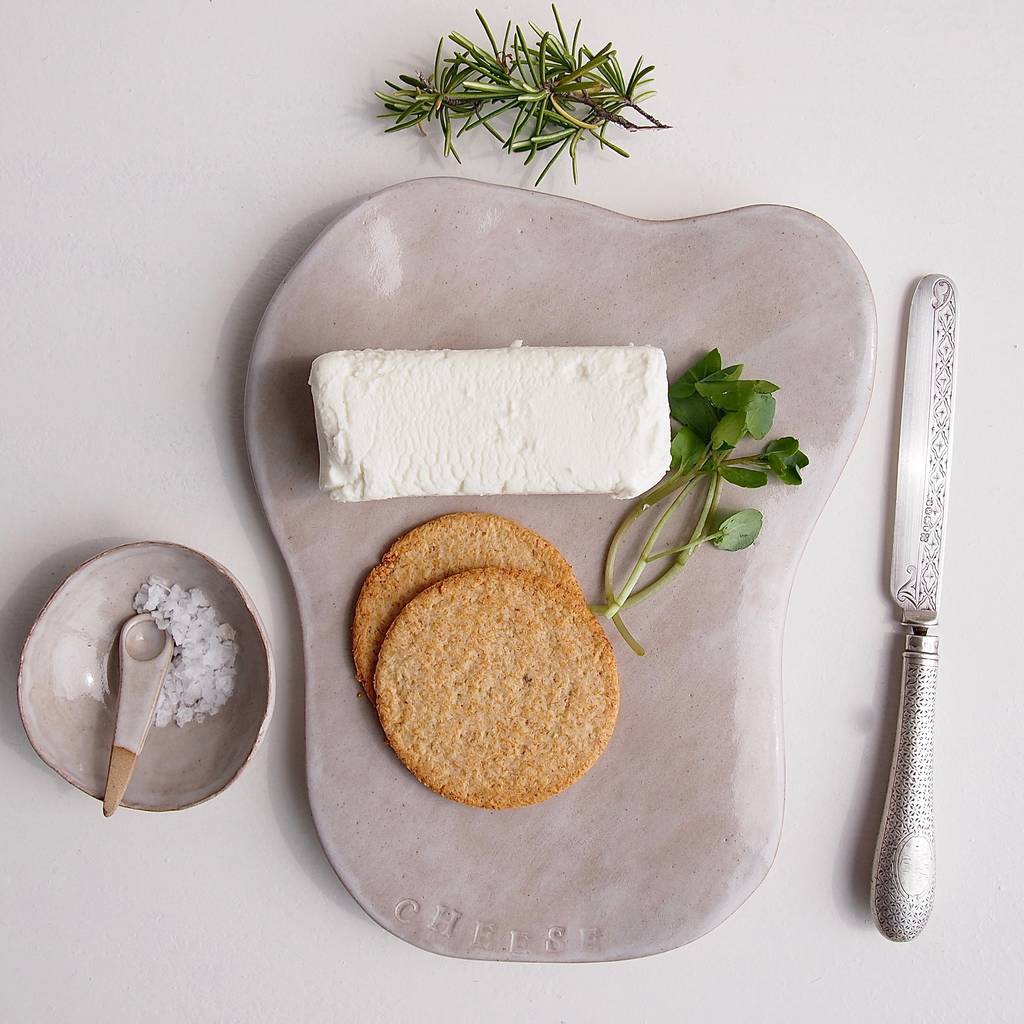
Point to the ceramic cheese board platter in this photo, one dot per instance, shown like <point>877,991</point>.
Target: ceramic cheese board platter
<point>678,822</point>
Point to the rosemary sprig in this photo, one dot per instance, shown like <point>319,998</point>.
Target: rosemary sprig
<point>550,92</point>
<point>714,410</point>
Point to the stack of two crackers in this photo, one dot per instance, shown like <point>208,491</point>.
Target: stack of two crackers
<point>492,679</point>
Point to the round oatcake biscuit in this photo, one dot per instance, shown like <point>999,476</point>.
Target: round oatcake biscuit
<point>442,547</point>
<point>497,688</point>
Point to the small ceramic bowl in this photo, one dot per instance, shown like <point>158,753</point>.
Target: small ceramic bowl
<point>67,687</point>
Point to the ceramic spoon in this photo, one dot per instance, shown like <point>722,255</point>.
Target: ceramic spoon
<point>145,653</point>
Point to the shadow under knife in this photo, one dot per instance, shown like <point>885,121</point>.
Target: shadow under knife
<point>868,802</point>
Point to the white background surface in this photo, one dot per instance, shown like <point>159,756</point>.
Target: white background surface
<point>161,167</point>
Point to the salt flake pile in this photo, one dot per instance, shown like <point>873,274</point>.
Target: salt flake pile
<point>201,677</point>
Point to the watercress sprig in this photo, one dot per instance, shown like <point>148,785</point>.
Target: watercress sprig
<point>713,411</point>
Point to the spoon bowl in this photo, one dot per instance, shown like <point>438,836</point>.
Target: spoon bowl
<point>144,639</point>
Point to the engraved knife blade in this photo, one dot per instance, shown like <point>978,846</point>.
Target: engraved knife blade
<point>926,434</point>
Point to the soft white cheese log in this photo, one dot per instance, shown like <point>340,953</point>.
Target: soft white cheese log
<point>491,421</point>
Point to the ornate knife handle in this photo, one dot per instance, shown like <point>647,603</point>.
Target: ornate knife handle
<point>903,877</point>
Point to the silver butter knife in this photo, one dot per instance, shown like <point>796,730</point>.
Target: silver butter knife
<point>903,876</point>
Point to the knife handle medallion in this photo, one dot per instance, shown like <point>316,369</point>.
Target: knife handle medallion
<point>903,876</point>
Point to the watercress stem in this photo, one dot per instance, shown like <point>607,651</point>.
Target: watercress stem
<point>710,503</point>
<point>643,503</point>
<point>684,547</point>
<point>641,562</point>
<point>627,636</point>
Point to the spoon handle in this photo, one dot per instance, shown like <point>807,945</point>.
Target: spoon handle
<point>119,774</point>
<point>141,679</point>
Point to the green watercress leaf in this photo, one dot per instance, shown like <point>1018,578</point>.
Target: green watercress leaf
<point>782,446</point>
<point>694,412</point>
<point>729,373</point>
<point>707,367</point>
<point>787,467</point>
<point>729,395</point>
<point>760,415</point>
<point>744,477</point>
<point>683,388</point>
<point>687,449</point>
<point>730,429</point>
<point>739,531</point>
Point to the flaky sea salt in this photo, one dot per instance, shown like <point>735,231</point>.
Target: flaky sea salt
<point>201,676</point>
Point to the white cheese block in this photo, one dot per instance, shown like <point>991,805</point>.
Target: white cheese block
<point>491,421</point>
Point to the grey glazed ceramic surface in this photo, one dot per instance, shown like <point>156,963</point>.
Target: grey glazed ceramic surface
<point>679,821</point>
<point>69,654</point>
